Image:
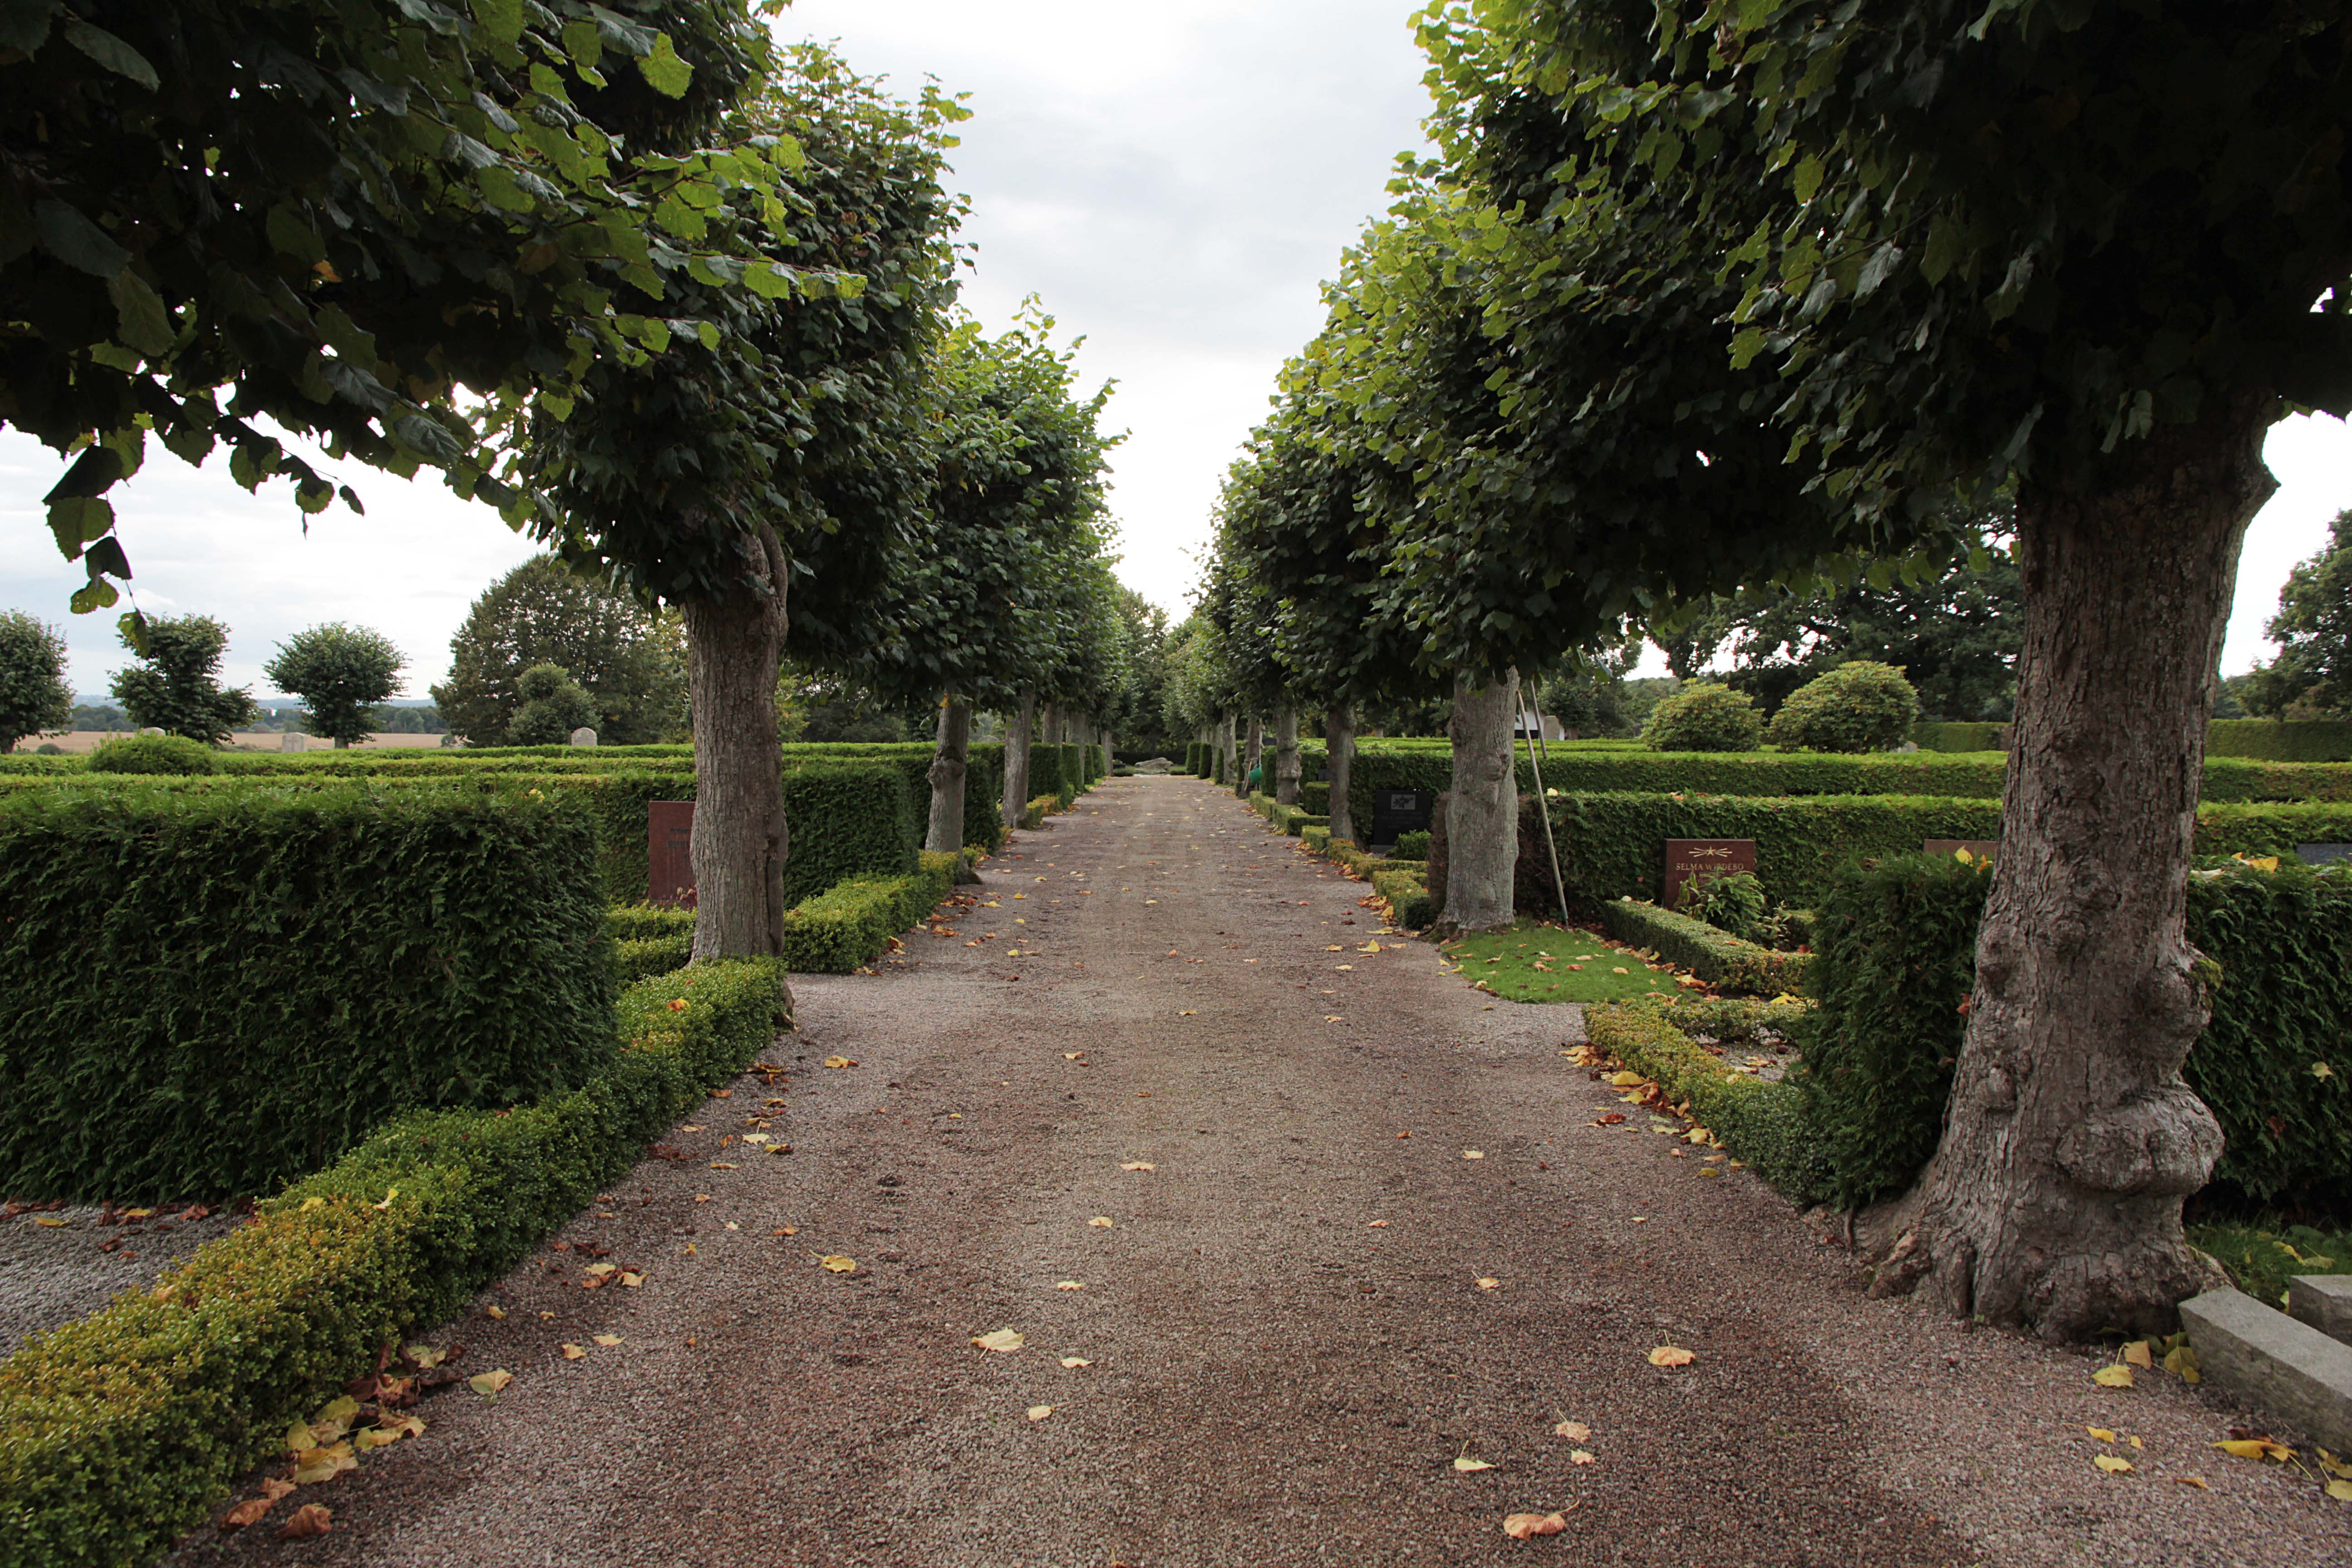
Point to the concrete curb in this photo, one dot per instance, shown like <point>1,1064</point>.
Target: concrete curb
<point>2324,1302</point>
<point>2270,1360</point>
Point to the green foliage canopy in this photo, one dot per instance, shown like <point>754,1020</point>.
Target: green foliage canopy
<point>340,672</point>
<point>175,687</point>
<point>1705,717</point>
<point>34,695</point>
<point>2311,677</point>
<point>630,661</point>
<point>1864,706</point>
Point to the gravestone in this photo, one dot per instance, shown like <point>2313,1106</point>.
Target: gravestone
<point>583,736</point>
<point>1396,811</point>
<point>292,741</point>
<point>1705,858</point>
<point>2324,854</point>
<point>1977,849</point>
<point>669,853</point>
<point>151,729</point>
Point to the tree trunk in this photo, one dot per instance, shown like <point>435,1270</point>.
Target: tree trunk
<point>1253,756</point>
<point>1339,735</point>
<point>733,645</point>
<point>948,766</point>
<point>1016,760</point>
<point>2070,1138</point>
<point>1285,754</point>
<point>1482,837</point>
<point>1229,747</point>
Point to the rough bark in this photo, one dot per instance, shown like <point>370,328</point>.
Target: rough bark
<point>1227,755</point>
<point>1482,837</point>
<point>1440,820</point>
<point>733,644</point>
<point>949,762</point>
<point>1253,756</point>
<point>1285,754</point>
<point>1339,736</point>
<point>1018,726</point>
<point>2070,1141</point>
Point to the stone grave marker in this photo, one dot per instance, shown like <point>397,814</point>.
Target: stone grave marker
<point>1396,811</point>
<point>2324,854</point>
<point>1705,858</point>
<point>669,853</point>
<point>293,741</point>
<point>583,736</point>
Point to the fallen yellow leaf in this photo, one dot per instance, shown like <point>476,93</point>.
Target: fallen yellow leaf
<point>1490,1284</point>
<point>2137,1354</point>
<point>1626,1079</point>
<point>2101,1433</point>
<point>600,1269</point>
<point>1671,1355</point>
<point>2115,1376</point>
<point>1527,1526</point>
<point>2114,1464</point>
<point>1071,1285</point>
<point>2197,1481</point>
<point>1076,1360</point>
<point>1101,1222</point>
<point>1002,1339</point>
<point>2255,1448</point>
<point>839,1062</point>
<point>1190,1012</point>
<point>1138,1165</point>
<point>2341,1490</point>
<point>490,1383</point>
<point>1574,1431</point>
<point>837,1264</point>
<point>426,1356</point>
<point>1580,1456</point>
<point>1039,1412</point>
<point>608,1341</point>
<point>632,1278</point>
<point>1473,1154</point>
<point>1468,1466</point>
<point>573,1353</point>
<point>494,1312</point>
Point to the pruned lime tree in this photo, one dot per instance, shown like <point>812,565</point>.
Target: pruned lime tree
<point>1770,282</point>
<point>384,229</point>
<point>631,660</point>
<point>340,672</point>
<point>785,438</point>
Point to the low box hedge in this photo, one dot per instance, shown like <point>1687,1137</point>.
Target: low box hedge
<point>207,992</point>
<point>853,922</point>
<point>1407,892</point>
<point>641,958</point>
<point>1765,1126</point>
<point>2277,741</point>
<point>120,1431</point>
<point>1744,968</point>
<point>1897,957</point>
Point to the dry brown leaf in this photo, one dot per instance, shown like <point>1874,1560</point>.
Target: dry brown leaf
<point>608,1341</point>
<point>2114,1464</point>
<point>1002,1339</point>
<point>1189,1012</point>
<point>1471,1466</point>
<point>574,1353</point>
<point>2137,1354</point>
<point>1076,1360</point>
<point>1039,1412</point>
<point>1376,1224</point>
<point>1671,1355</point>
<point>2115,1376</point>
<point>1101,1222</point>
<point>309,1520</point>
<point>1138,1165</point>
<point>490,1383</point>
<point>1574,1431</point>
<point>1527,1526</point>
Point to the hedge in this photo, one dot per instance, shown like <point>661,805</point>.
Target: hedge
<point>1763,1125</point>
<point>2271,740</point>
<point>1407,892</point>
<point>1058,771</point>
<point>122,1431</point>
<point>206,994</point>
<point>644,957</point>
<point>1743,968</point>
<point>1897,957</point>
<point>853,922</point>
<point>1956,737</point>
<point>1613,845</point>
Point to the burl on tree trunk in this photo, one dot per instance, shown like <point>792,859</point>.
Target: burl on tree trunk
<point>1339,736</point>
<point>1016,760</point>
<point>949,763</point>
<point>1483,832</point>
<point>2071,1140</point>
<point>733,645</point>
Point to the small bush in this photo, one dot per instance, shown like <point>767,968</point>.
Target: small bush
<point>1763,1125</point>
<point>1413,844</point>
<point>1733,903</point>
<point>1859,707</point>
<point>152,754</point>
<point>1705,717</point>
<point>552,706</point>
<point>855,922</point>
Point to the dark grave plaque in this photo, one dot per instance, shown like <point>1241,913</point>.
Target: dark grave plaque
<point>1396,811</point>
<point>1706,858</point>
<point>1977,849</point>
<point>2324,854</point>
<point>669,852</point>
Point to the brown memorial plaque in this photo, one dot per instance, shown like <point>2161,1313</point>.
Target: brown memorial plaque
<point>1706,858</point>
<point>1977,849</point>
<point>669,852</point>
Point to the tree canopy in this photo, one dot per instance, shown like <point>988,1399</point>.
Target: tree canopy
<point>340,672</point>
<point>2311,677</point>
<point>630,661</point>
<point>175,684</point>
<point>34,695</point>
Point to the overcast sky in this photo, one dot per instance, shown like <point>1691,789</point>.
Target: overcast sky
<point>1172,181</point>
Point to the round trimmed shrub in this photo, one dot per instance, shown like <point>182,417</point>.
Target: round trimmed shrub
<point>1705,717</point>
<point>152,754</point>
<point>1859,707</point>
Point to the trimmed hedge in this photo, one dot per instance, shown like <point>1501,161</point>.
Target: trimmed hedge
<point>207,992</point>
<point>647,957</point>
<point>1058,771</point>
<point>1897,956</point>
<point>1742,967</point>
<point>1611,845</point>
<point>2308,740</point>
<point>1957,737</point>
<point>1407,892</point>
<point>1763,1125</point>
<point>122,1431</point>
<point>853,922</point>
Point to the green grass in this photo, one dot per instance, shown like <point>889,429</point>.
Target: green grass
<point>2264,1259</point>
<point>1578,966</point>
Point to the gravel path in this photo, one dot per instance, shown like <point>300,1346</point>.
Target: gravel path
<point>1297,1319</point>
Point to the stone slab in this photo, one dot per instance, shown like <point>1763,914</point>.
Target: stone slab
<point>2324,854</point>
<point>2269,1360</point>
<point>2323,1301</point>
<point>1707,859</point>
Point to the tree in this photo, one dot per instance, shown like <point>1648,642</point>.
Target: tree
<point>789,440</point>
<point>2311,677</point>
<point>177,687</point>
<point>1858,260</point>
<point>1705,717</point>
<point>553,707</point>
<point>340,672</point>
<point>630,661</point>
<point>34,695</point>
<point>340,216</point>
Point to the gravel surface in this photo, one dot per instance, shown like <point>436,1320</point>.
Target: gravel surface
<point>52,1274</point>
<point>1291,1327</point>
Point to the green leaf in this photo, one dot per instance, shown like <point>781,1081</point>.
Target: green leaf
<point>96,595</point>
<point>25,24</point>
<point>1810,175</point>
<point>500,20</point>
<point>1947,245</point>
<point>146,325</point>
<point>73,239</point>
<point>1744,346</point>
<point>663,71</point>
<point>585,43</point>
<point>556,406</point>
<point>501,189</point>
<point>709,333</point>
<point>78,520</point>
<point>768,280</point>
<point>314,495</point>
<point>291,234</point>
<point>111,52</point>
